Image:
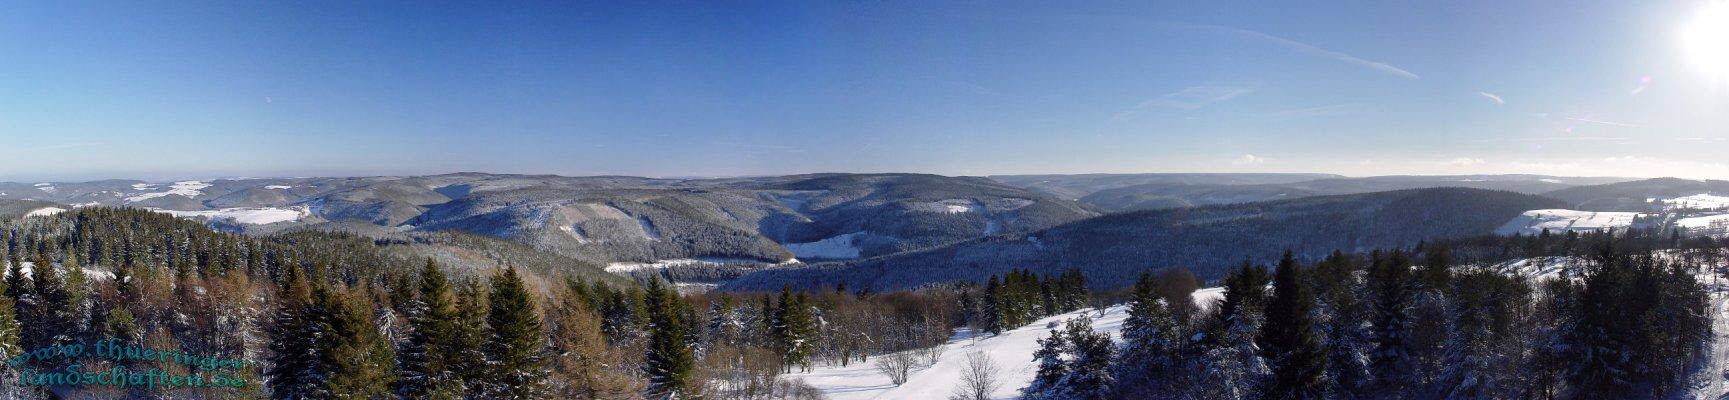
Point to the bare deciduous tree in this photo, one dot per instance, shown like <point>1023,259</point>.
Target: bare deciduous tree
<point>979,379</point>
<point>896,366</point>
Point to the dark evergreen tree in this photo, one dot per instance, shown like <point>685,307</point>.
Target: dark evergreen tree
<point>1288,339</point>
<point>1390,363</point>
<point>356,359</point>
<point>514,342</point>
<point>295,365</point>
<point>429,356</point>
<point>668,360</point>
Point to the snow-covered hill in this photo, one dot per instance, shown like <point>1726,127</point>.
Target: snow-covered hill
<point>1011,352</point>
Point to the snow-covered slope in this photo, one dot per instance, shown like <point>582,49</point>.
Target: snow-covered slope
<point>1011,352</point>
<point>1560,221</point>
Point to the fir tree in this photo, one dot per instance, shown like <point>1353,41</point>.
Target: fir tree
<point>794,330</point>
<point>1152,338</point>
<point>1052,367</point>
<point>514,345</point>
<point>356,358</point>
<point>995,313</point>
<point>295,366</point>
<point>668,360</point>
<point>1390,363</point>
<point>1288,338</point>
<point>431,352</point>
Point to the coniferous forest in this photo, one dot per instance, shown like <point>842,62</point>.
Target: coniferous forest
<point>313,315</point>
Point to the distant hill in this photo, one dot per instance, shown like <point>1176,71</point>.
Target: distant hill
<point>1080,185</point>
<point>1634,195</point>
<point>1113,249</point>
<point>1192,190</point>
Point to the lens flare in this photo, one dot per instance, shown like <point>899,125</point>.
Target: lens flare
<point>1706,40</point>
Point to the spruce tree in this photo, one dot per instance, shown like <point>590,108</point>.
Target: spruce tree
<point>1288,338</point>
<point>429,357</point>
<point>295,366</point>
<point>1151,340</point>
<point>995,313</point>
<point>514,342</point>
<point>52,318</point>
<point>1052,367</point>
<point>794,330</point>
<point>668,360</point>
<point>357,360</point>
<point>1390,362</point>
<point>471,336</point>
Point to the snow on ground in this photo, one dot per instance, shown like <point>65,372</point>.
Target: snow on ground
<point>571,229</point>
<point>27,266</point>
<point>278,187</point>
<point>44,211</point>
<point>250,216</point>
<point>627,267</point>
<point>190,189</point>
<point>1701,222</point>
<point>951,206</point>
<point>1011,351</point>
<point>838,246</point>
<point>1702,200</point>
<point>1560,221</point>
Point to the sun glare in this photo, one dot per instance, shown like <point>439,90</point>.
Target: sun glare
<point>1706,39</point>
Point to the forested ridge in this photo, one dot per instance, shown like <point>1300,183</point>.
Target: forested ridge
<point>326,315</point>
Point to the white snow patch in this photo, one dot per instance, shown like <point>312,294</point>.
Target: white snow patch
<point>249,216</point>
<point>44,211</point>
<point>278,187</point>
<point>627,267</point>
<point>190,189</point>
<point>143,186</point>
<point>1560,221</point>
<point>26,267</point>
<point>1702,201</point>
<point>838,246</point>
<point>1011,352</point>
<point>1550,180</point>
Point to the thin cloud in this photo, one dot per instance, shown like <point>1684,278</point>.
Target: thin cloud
<point>1322,111</point>
<point>1307,49</point>
<point>1249,159</point>
<point>1189,98</point>
<point>1493,97</point>
<point>1602,122</point>
<point>1465,162</point>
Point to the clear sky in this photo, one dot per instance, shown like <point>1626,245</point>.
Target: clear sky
<point>208,89</point>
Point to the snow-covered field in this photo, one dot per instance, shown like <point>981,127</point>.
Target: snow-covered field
<point>190,189</point>
<point>250,216</point>
<point>838,246</point>
<point>1702,200</point>
<point>1011,351</point>
<point>1560,221</point>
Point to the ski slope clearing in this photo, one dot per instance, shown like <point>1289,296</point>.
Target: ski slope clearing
<point>1561,221</point>
<point>1011,352</point>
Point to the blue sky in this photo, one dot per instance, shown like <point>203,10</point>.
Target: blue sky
<point>208,89</point>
